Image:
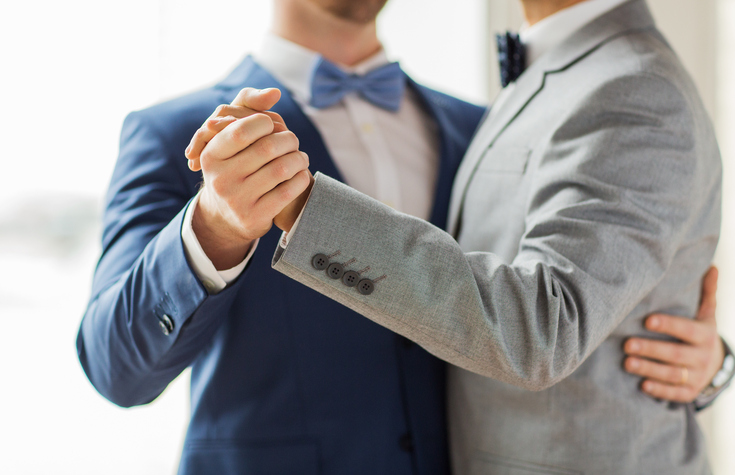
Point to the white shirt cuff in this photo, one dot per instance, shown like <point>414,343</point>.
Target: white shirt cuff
<point>213,280</point>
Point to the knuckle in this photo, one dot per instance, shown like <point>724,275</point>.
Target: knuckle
<point>262,120</point>
<point>677,354</point>
<point>240,133</point>
<point>281,170</point>
<point>293,140</point>
<point>211,123</point>
<point>711,338</point>
<point>216,184</point>
<point>220,109</point>
<point>199,135</point>
<point>206,160</point>
<point>288,194</point>
<point>267,147</point>
<point>673,374</point>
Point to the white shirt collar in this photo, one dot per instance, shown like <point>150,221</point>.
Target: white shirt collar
<point>553,30</point>
<point>292,65</point>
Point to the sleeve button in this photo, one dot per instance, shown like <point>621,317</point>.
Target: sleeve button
<point>166,324</point>
<point>320,262</point>
<point>365,286</point>
<point>335,270</point>
<point>351,278</point>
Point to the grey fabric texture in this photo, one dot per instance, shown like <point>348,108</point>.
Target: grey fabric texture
<point>589,200</point>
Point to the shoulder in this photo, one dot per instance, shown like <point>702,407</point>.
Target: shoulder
<point>642,64</point>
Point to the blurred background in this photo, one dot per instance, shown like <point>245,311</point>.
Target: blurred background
<point>74,69</point>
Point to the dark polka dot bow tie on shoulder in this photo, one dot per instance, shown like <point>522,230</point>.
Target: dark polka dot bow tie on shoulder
<point>512,57</point>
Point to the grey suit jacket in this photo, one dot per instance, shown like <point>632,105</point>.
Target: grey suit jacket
<point>589,199</point>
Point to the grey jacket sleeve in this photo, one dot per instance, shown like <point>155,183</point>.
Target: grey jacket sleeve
<point>616,191</point>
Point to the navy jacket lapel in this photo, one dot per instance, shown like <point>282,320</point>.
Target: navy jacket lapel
<point>251,74</point>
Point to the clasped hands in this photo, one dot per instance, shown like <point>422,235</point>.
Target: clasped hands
<point>255,177</point>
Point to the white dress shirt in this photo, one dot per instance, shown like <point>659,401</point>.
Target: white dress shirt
<point>390,156</point>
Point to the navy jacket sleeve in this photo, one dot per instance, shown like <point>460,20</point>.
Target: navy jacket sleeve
<point>143,277</point>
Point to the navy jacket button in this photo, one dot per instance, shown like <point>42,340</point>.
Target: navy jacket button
<point>166,324</point>
<point>320,262</point>
<point>365,286</point>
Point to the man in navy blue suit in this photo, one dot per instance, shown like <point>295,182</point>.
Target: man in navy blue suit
<point>283,380</point>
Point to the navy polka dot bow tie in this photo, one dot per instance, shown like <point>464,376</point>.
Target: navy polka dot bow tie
<point>512,57</point>
<point>383,86</point>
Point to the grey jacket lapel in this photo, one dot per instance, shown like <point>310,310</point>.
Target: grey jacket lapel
<point>630,16</point>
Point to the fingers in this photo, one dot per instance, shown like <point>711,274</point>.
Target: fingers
<point>201,138</point>
<point>274,173</point>
<point>223,116</point>
<point>676,393</point>
<point>273,202</point>
<point>708,304</point>
<point>236,137</point>
<point>691,331</point>
<point>675,375</point>
<point>257,99</point>
<point>679,354</point>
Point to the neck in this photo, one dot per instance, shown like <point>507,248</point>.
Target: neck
<point>336,39</point>
<point>536,10</point>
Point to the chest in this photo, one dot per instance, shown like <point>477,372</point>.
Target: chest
<point>501,168</point>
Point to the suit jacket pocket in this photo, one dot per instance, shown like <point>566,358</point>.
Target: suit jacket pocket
<point>250,458</point>
<point>485,463</point>
<point>504,159</point>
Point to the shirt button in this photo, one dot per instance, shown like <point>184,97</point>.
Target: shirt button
<point>406,443</point>
<point>367,128</point>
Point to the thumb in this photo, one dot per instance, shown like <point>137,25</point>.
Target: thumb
<point>257,99</point>
<point>708,304</point>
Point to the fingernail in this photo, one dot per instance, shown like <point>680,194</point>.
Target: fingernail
<point>191,165</point>
<point>634,346</point>
<point>647,386</point>
<point>188,149</point>
<point>654,322</point>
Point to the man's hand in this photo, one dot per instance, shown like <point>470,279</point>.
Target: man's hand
<point>248,102</point>
<point>251,170</point>
<point>679,371</point>
<point>260,101</point>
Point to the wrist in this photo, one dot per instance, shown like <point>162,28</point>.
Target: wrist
<point>221,244</point>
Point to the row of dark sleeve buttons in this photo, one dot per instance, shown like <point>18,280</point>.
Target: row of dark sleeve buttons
<point>335,270</point>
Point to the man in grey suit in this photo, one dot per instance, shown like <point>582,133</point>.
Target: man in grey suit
<point>595,182</point>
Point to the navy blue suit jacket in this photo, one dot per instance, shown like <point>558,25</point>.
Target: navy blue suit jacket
<point>284,380</point>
